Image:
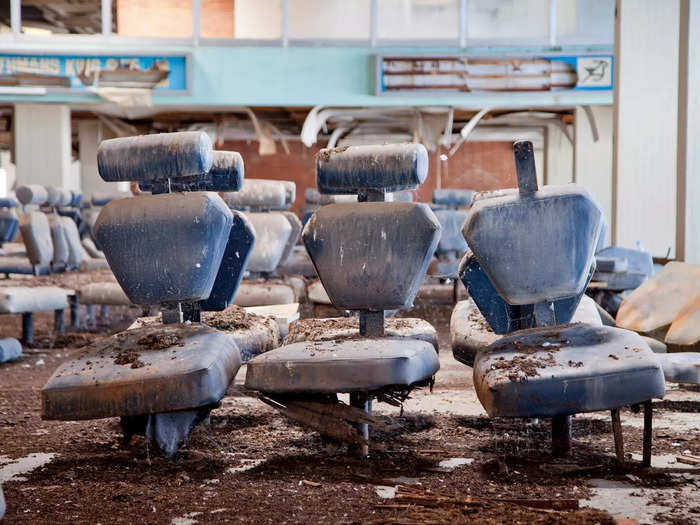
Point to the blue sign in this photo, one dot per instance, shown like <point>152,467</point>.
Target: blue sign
<point>165,73</point>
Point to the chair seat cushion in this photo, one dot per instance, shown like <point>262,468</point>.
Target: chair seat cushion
<point>342,366</point>
<point>316,293</point>
<point>568,369</point>
<point>298,263</point>
<point>143,371</point>
<point>469,332</point>
<point>10,349</point>
<point>262,293</point>
<point>103,293</point>
<point>681,367</point>
<point>94,264</point>
<point>254,334</point>
<point>338,328</point>
<point>19,264</point>
<point>19,299</point>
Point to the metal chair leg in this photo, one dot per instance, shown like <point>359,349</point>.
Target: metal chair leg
<point>617,435</point>
<point>561,436</point>
<point>646,450</point>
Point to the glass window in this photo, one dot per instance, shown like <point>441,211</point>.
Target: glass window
<point>153,18</point>
<point>329,19</point>
<point>44,18</point>
<point>247,19</point>
<point>258,19</point>
<point>508,19</point>
<point>418,19</point>
<point>587,21</point>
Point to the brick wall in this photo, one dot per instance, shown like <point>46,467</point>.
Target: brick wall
<point>476,165</point>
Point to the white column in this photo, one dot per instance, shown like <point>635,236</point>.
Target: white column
<point>90,134</point>
<point>593,163</point>
<point>688,232</point>
<point>646,110</point>
<point>42,140</point>
<point>560,156</point>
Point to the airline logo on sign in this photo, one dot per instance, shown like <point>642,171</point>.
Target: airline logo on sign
<point>594,72</point>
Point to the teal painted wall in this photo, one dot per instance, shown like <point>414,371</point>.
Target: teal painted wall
<point>308,76</point>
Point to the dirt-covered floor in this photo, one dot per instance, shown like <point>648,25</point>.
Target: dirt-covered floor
<point>447,461</point>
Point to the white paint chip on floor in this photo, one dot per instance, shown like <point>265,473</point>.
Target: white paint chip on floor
<point>385,492</point>
<point>453,463</point>
<point>13,469</point>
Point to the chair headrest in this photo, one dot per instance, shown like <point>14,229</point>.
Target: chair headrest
<point>31,194</point>
<point>53,196</point>
<point>290,190</point>
<point>226,174</point>
<point>159,157</point>
<point>65,197</point>
<point>390,167</point>
<point>453,197</point>
<point>258,194</point>
<point>157,252</point>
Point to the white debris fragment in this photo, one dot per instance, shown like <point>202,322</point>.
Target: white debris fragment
<point>248,464</point>
<point>385,492</point>
<point>13,469</point>
<point>453,463</point>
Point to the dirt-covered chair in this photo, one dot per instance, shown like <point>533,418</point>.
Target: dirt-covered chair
<point>535,249</point>
<point>9,222</point>
<point>371,257</point>
<point>449,207</point>
<point>181,249</point>
<point>265,204</point>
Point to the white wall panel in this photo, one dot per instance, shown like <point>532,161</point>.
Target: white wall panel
<point>646,95</point>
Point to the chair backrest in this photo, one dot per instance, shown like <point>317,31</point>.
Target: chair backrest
<point>168,247</point>
<point>264,202</point>
<point>36,235</point>
<point>75,247</point>
<point>535,245</point>
<point>451,239</point>
<point>272,233</point>
<point>373,255</point>
<point>59,237</point>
